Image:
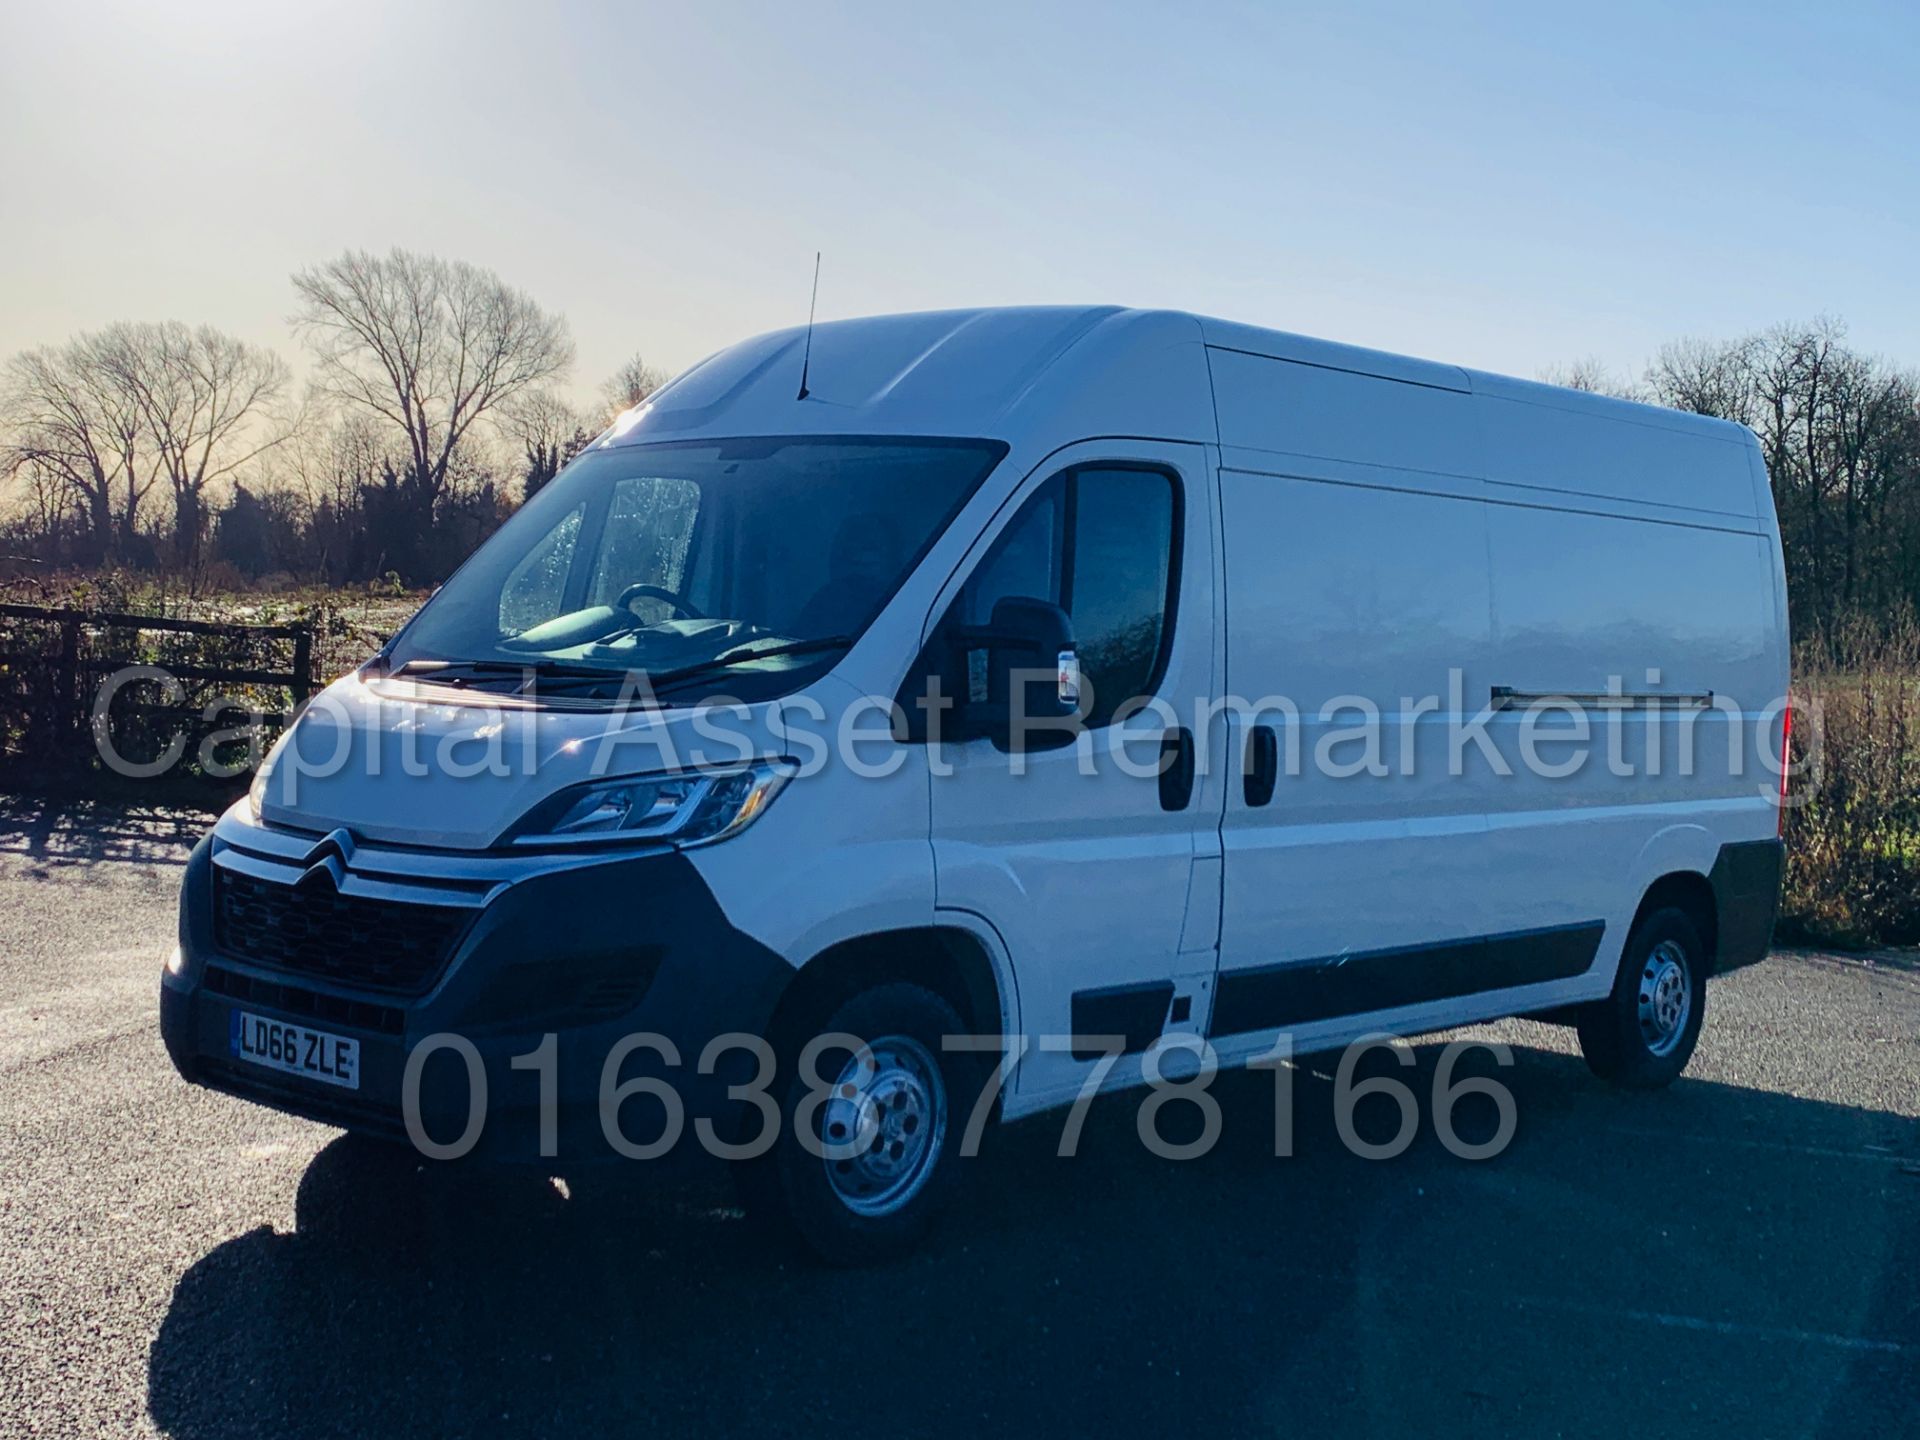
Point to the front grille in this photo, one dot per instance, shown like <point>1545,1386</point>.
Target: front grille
<point>385,945</point>
<point>308,1004</point>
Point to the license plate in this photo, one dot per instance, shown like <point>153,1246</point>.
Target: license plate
<point>295,1049</point>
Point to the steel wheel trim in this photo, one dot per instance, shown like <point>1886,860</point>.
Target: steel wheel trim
<point>883,1126</point>
<point>1665,998</point>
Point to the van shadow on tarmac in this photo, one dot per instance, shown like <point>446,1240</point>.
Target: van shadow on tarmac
<point>1709,1260</point>
<point>62,833</point>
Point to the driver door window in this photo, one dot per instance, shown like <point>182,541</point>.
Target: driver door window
<point>1099,543</point>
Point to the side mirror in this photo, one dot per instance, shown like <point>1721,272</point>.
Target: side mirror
<point>1026,656</point>
<point>1033,676</point>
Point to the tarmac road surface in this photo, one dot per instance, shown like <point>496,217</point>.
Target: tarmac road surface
<point>1737,1256</point>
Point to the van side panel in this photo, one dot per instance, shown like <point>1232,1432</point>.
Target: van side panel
<point>1541,438</point>
<point>1253,340</point>
<point>1342,591</point>
<point>1396,539</point>
<point>1356,584</point>
<point>1579,597</point>
<point>1338,596</point>
<point>1310,410</point>
<point>1588,603</point>
<point>1630,550</point>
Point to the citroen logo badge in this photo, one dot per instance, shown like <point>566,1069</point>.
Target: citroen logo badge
<point>326,863</point>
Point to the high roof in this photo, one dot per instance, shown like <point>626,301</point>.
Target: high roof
<point>998,373</point>
<point>1075,370</point>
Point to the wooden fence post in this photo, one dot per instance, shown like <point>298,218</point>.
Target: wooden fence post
<point>69,719</point>
<point>302,664</point>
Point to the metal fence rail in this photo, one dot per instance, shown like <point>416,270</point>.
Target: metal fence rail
<point>69,691</point>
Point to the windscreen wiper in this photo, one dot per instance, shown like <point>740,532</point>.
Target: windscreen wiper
<point>457,672</point>
<point>744,654</point>
<point>725,660</point>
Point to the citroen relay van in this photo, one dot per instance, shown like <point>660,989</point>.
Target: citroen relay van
<point>939,717</point>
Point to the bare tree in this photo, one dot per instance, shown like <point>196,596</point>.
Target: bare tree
<point>631,384</point>
<point>1590,375</point>
<point>548,432</point>
<point>428,346</point>
<point>72,421</point>
<point>47,508</point>
<point>1708,377</point>
<point>203,398</point>
<point>1873,432</point>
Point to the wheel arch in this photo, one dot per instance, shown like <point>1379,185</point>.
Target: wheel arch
<point>950,960</point>
<point>1690,891</point>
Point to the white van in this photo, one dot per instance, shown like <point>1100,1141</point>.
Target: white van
<point>1258,664</point>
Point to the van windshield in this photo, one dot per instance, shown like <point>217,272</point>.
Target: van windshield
<point>741,566</point>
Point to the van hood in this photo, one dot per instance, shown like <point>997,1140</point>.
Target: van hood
<point>401,763</point>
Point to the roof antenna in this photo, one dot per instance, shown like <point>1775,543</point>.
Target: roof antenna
<point>806,358</point>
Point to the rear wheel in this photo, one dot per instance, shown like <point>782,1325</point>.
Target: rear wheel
<point>1642,1035</point>
<point>868,1143</point>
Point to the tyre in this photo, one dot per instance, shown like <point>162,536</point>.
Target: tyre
<point>1642,1035</point>
<point>867,1157</point>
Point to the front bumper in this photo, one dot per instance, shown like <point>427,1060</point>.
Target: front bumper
<point>591,955</point>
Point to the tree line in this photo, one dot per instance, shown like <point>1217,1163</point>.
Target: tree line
<point>435,405</point>
<point>433,408</point>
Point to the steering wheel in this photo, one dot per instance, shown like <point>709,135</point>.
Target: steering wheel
<point>660,593</point>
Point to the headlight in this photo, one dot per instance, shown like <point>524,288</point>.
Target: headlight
<point>257,791</point>
<point>694,807</point>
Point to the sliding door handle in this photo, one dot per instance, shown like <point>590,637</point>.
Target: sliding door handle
<point>1263,765</point>
<point>1176,769</point>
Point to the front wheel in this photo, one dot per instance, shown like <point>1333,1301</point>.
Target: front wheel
<point>869,1141</point>
<point>1642,1035</point>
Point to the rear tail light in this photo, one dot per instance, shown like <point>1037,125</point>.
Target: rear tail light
<point>1786,757</point>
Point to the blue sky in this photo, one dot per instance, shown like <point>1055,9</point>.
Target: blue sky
<point>1506,186</point>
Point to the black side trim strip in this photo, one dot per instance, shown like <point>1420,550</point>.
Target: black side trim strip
<point>1136,1013</point>
<point>1298,992</point>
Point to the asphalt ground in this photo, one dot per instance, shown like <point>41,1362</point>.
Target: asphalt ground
<point>1739,1255</point>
